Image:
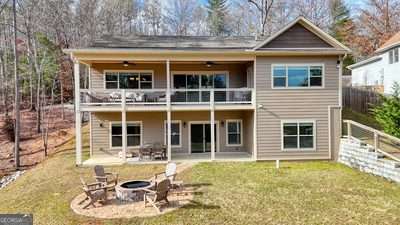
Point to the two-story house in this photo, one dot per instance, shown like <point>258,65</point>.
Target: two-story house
<point>211,98</point>
<point>382,69</point>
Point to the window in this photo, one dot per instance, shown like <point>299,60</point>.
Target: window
<point>396,55</point>
<point>128,80</point>
<point>294,76</point>
<point>175,133</point>
<point>111,80</point>
<point>133,131</point>
<point>391,56</point>
<point>234,132</point>
<point>195,81</point>
<point>298,135</point>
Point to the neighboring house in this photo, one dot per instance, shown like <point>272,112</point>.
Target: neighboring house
<point>383,69</point>
<point>278,98</point>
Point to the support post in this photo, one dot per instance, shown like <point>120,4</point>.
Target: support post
<point>349,130</point>
<point>78,131</point>
<point>376,141</point>
<point>124,125</point>
<point>212,124</point>
<point>168,111</point>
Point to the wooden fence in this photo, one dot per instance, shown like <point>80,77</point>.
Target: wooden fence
<point>360,100</point>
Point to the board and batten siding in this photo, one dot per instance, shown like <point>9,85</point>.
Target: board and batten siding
<point>237,72</point>
<point>294,104</point>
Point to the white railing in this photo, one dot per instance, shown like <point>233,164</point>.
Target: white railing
<point>95,97</point>
<point>221,96</point>
<point>380,141</point>
<point>116,97</point>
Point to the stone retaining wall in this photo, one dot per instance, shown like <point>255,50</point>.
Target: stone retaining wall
<point>363,157</point>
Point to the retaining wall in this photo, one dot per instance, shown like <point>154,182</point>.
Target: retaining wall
<point>357,155</point>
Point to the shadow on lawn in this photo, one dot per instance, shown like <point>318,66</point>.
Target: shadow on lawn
<point>198,205</point>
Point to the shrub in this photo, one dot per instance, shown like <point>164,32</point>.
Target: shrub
<point>388,113</point>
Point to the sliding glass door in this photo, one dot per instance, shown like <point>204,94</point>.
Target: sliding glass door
<point>200,137</point>
<point>198,81</point>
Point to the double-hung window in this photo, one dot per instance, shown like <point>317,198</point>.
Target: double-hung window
<point>234,132</point>
<point>128,80</point>
<point>297,76</point>
<point>175,133</point>
<point>133,134</point>
<point>298,135</point>
<point>396,55</point>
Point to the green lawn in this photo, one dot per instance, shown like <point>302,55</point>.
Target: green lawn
<point>230,193</point>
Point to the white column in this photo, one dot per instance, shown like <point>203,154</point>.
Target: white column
<point>255,109</point>
<point>78,131</point>
<point>123,123</point>
<point>212,124</point>
<point>168,111</point>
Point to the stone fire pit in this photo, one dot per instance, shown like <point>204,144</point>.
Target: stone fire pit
<point>132,191</point>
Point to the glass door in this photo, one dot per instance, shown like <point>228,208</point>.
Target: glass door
<point>200,136</point>
<point>197,138</point>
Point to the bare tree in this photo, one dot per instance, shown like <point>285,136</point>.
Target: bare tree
<point>17,94</point>
<point>179,16</point>
<point>264,8</point>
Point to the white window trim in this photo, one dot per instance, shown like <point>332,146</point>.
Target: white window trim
<point>286,65</point>
<point>298,139</point>
<point>227,132</point>
<point>173,73</point>
<point>127,71</point>
<point>180,133</point>
<point>127,122</point>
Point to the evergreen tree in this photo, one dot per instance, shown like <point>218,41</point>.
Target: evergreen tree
<point>217,11</point>
<point>388,113</point>
<point>341,28</point>
<point>340,17</point>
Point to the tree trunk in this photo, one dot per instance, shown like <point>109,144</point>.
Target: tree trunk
<point>17,94</point>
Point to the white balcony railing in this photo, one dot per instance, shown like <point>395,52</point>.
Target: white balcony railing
<point>116,97</point>
<point>221,96</point>
<point>95,97</point>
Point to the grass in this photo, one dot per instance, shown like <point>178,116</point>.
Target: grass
<point>230,193</point>
<point>366,119</point>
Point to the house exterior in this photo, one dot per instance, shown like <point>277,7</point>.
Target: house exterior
<point>382,69</point>
<point>208,98</point>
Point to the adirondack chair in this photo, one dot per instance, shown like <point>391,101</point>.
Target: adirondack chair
<point>95,192</point>
<point>108,179</point>
<point>170,174</point>
<point>159,195</point>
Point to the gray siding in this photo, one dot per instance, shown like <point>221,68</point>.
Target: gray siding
<point>297,37</point>
<point>237,72</point>
<point>153,129</point>
<point>293,104</point>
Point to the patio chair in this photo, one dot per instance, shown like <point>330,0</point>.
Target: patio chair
<point>157,196</point>
<point>110,180</point>
<point>95,192</point>
<point>145,150</point>
<point>170,174</point>
<point>158,151</point>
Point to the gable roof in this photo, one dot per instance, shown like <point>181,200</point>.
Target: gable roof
<point>368,61</point>
<point>308,25</point>
<point>392,42</point>
<point>176,42</point>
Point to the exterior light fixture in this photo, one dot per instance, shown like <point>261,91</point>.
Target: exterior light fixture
<point>126,63</point>
<point>209,64</point>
